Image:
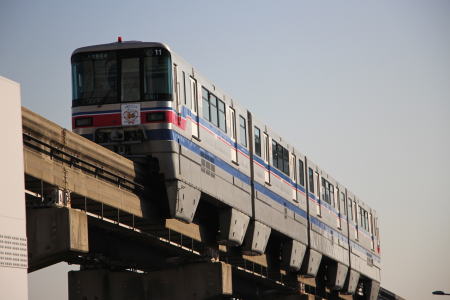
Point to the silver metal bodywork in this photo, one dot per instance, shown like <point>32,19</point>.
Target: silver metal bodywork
<point>256,199</point>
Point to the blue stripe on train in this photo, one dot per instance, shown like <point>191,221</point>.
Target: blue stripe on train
<point>171,135</point>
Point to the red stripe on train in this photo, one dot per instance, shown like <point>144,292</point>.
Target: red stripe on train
<point>110,120</point>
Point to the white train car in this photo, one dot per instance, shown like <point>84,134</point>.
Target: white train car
<point>142,99</point>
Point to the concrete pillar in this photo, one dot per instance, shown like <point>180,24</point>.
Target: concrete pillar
<point>191,282</point>
<point>290,297</point>
<point>106,285</point>
<point>13,240</point>
<point>55,233</point>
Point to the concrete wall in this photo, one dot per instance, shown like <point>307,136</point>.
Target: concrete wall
<point>13,243</point>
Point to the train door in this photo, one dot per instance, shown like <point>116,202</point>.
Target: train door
<point>176,87</point>
<point>337,198</point>
<point>356,213</point>
<point>266,157</point>
<point>319,189</point>
<point>194,104</point>
<point>294,176</point>
<point>233,149</point>
<point>376,233</point>
<point>342,205</point>
<point>371,231</point>
<point>301,180</point>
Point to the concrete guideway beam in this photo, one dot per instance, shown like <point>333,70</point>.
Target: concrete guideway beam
<point>188,282</point>
<point>54,234</point>
<point>74,144</point>
<point>67,178</point>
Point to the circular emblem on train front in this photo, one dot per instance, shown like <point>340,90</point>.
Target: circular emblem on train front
<point>131,114</point>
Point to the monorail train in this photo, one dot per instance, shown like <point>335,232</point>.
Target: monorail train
<point>140,98</point>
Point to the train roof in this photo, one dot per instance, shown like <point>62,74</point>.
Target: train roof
<point>119,46</point>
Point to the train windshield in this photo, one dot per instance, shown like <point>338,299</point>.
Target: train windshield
<point>129,75</point>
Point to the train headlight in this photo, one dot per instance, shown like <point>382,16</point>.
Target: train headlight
<point>83,122</point>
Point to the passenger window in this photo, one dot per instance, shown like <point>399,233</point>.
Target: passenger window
<point>332,195</point>
<point>285,161</point>
<point>301,171</point>
<point>280,157</point>
<point>184,88</point>
<point>213,109</point>
<point>360,215</point>
<point>130,83</point>
<point>242,131</point>
<point>222,116</point>
<point>205,104</point>
<point>350,209</point>
<point>366,219</point>
<point>311,180</point>
<point>342,208</point>
<point>323,193</point>
<point>327,192</point>
<point>257,141</point>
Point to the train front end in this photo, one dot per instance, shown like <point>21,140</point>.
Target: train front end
<point>122,92</point>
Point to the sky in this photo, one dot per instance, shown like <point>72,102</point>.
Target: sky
<point>361,87</point>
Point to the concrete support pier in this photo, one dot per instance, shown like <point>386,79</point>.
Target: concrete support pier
<point>54,234</point>
<point>104,284</point>
<point>189,282</point>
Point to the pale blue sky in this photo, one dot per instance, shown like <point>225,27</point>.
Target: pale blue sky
<point>362,87</point>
